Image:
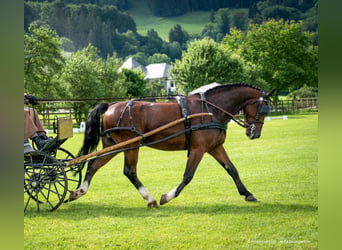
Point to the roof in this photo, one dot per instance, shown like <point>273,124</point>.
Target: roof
<point>152,71</point>
<point>157,71</point>
<point>130,63</point>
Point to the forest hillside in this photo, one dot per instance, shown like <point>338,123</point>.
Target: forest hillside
<point>146,27</point>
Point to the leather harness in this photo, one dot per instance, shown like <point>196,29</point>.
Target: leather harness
<point>183,105</point>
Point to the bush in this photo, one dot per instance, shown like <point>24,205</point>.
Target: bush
<point>304,92</point>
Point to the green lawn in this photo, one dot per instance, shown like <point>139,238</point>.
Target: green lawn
<point>280,169</point>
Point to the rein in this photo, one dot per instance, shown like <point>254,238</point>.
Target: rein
<point>242,123</point>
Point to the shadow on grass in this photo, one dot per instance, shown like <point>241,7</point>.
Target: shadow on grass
<point>81,211</point>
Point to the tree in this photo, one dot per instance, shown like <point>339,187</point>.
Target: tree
<point>159,58</point>
<point>67,44</point>
<point>286,55</point>
<point>154,43</point>
<point>210,30</point>
<point>223,20</point>
<point>281,12</point>
<point>254,13</point>
<point>111,78</point>
<point>134,82</point>
<point>155,88</point>
<point>204,62</point>
<point>212,16</point>
<point>140,57</point>
<point>81,79</point>
<point>56,15</point>
<point>178,34</point>
<point>87,75</point>
<point>30,14</point>
<point>174,50</point>
<point>219,25</point>
<point>240,20</point>
<point>43,62</point>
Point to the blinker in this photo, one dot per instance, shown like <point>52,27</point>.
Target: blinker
<point>264,109</point>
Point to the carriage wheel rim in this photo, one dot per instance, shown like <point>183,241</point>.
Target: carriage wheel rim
<point>45,182</point>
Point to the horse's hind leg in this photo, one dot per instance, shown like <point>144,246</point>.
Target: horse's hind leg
<point>130,171</point>
<point>93,166</point>
<point>191,166</point>
<point>221,156</point>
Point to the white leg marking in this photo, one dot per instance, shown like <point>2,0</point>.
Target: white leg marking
<point>84,187</point>
<point>171,194</point>
<point>145,194</point>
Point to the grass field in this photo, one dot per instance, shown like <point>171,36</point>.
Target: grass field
<point>192,22</point>
<point>280,169</point>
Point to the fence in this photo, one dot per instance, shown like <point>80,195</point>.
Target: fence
<point>52,108</point>
<point>286,106</point>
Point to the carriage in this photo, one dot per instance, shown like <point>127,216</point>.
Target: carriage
<point>47,179</point>
<point>196,123</point>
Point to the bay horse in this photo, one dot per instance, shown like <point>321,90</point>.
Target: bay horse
<point>122,121</point>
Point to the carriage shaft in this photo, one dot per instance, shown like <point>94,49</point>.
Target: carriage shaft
<point>133,140</point>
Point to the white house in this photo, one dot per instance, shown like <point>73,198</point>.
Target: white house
<point>153,72</point>
<point>160,72</point>
<point>130,63</point>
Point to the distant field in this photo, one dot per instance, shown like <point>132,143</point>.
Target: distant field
<point>192,22</point>
<point>280,169</point>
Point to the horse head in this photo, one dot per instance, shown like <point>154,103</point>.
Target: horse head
<point>255,112</point>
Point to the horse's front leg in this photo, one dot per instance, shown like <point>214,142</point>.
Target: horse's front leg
<point>93,166</point>
<point>130,171</point>
<point>221,156</point>
<point>191,166</point>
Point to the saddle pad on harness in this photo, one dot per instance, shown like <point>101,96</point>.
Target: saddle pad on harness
<point>183,104</point>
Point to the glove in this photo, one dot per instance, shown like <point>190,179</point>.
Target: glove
<point>31,99</point>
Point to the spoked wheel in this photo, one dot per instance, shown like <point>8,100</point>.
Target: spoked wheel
<point>74,172</point>
<point>45,182</point>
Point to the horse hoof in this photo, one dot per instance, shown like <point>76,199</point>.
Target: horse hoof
<point>71,197</point>
<point>152,204</point>
<point>250,198</point>
<point>163,199</point>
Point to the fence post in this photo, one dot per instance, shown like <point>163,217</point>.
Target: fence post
<point>48,117</point>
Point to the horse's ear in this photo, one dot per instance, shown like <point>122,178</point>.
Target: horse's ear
<point>270,93</point>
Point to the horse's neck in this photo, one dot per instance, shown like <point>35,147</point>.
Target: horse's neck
<point>232,100</point>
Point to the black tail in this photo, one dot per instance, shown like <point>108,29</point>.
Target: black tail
<point>92,130</point>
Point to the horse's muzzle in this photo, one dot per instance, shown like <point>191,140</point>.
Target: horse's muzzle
<point>252,132</point>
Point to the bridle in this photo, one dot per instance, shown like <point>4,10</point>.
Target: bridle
<point>263,109</point>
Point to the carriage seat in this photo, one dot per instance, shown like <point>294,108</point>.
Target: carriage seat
<point>64,131</point>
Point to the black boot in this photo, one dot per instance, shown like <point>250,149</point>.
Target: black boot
<point>40,143</point>
<point>44,137</point>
